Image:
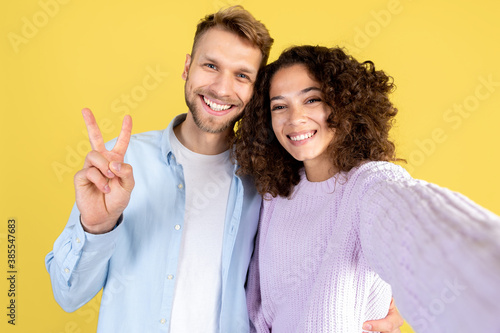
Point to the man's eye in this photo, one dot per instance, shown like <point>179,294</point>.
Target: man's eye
<point>243,76</point>
<point>211,66</point>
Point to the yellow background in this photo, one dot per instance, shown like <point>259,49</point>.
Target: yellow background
<point>95,53</point>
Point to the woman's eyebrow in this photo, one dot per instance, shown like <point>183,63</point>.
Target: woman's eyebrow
<point>303,91</point>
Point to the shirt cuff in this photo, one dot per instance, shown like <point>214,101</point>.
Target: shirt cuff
<point>101,242</point>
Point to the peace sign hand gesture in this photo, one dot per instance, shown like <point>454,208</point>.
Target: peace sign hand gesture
<point>104,185</point>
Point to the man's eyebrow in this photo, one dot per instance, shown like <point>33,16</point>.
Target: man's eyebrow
<point>303,91</point>
<point>206,58</point>
<point>246,70</point>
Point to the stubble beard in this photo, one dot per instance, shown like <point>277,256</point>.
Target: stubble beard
<point>208,124</point>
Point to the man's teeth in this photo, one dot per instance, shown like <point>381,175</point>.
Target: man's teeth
<point>302,136</point>
<point>216,107</point>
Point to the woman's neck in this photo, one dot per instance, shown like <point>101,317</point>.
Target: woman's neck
<point>319,170</point>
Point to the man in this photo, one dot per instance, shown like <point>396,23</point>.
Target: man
<point>171,255</point>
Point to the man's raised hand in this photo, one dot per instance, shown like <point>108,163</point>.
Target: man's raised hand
<point>104,185</point>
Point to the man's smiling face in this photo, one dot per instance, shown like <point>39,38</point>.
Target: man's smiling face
<point>219,79</point>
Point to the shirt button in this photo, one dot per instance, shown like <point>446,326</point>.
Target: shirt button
<point>177,227</point>
<point>66,270</point>
<point>180,186</point>
<point>163,321</point>
<point>170,276</point>
<point>77,240</point>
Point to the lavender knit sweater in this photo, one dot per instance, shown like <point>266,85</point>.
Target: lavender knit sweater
<point>321,256</point>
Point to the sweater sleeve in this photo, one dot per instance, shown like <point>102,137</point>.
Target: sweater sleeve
<point>439,250</point>
<point>78,263</point>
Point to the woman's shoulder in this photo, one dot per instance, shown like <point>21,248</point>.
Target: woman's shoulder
<point>372,174</point>
<point>378,170</point>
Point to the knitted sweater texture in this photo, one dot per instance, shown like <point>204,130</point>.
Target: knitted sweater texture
<point>326,257</point>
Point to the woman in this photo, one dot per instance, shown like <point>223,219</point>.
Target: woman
<point>339,221</point>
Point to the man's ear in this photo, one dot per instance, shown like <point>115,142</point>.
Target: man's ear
<point>186,67</point>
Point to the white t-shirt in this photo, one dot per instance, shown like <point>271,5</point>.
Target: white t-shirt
<point>196,305</point>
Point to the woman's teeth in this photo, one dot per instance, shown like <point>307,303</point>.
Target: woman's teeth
<point>216,107</point>
<point>302,136</point>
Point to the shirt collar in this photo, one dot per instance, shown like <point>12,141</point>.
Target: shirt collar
<point>166,147</point>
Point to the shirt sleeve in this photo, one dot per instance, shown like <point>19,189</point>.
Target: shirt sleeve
<point>439,251</point>
<point>78,263</point>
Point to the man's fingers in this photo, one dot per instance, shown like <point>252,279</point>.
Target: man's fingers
<point>391,323</point>
<point>94,176</point>
<point>124,173</point>
<point>378,326</point>
<point>97,160</point>
<point>124,177</point>
<point>95,136</point>
<point>121,144</point>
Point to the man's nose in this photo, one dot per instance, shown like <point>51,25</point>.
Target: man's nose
<point>223,85</point>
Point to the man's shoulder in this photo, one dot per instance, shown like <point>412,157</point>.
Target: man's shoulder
<point>150,137</point>
<point>139,140</point>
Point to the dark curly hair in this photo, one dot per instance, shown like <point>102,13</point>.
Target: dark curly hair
<point>361,116</point>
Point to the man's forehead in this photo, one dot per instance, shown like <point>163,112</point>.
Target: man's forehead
<point>219,44</point>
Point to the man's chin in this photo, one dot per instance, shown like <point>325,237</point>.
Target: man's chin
<point>211,126</point>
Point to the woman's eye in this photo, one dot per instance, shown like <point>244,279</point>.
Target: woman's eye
<point>277,107</point>
<point>313,100</point>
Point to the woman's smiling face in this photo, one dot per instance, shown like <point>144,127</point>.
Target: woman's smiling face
<point>299,116</point>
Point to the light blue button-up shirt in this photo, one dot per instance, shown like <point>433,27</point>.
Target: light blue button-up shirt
<point>136,263</point>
